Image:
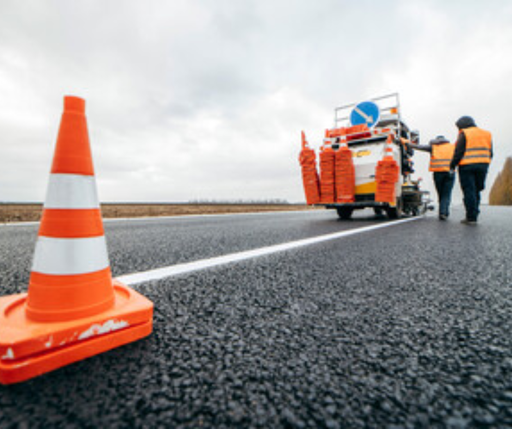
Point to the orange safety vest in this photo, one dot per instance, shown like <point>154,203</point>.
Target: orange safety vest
<point>441,157</point>
<point>478,146</point>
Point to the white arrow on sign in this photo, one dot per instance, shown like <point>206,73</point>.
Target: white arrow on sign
<point>364,115</point>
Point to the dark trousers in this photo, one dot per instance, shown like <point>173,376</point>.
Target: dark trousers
<point>444,184</point>
<point>472,181</point>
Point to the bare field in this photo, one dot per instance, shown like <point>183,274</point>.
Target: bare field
<point>32,212</point>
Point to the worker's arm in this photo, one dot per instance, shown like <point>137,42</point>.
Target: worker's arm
<point>423,147</point>
<point>460,149</point>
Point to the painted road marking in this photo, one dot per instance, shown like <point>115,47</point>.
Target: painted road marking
<point>138,219</point>
<point>177,217</point>
<point>203,264</point>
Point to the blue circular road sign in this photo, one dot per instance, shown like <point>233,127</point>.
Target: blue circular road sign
<point>366,112</point>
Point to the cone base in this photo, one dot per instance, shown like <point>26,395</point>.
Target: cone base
<point>29,349</point>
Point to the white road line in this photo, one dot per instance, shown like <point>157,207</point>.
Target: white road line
<point>177,217</point>
<point>189,267</point>
<point>31,223</point>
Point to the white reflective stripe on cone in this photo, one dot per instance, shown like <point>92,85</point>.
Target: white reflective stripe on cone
<point>71,191</point>
<point>67,256</point>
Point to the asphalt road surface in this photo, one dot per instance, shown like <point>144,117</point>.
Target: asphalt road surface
<point>403,326</point>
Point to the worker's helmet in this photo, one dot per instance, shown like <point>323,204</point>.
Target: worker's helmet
<point>439,140</point>
<point>465,122</point>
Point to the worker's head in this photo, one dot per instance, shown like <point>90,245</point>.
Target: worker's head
<point>465,122</point>
<point>439,140</point>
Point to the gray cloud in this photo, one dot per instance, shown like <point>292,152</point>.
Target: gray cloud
<point>206,99</point>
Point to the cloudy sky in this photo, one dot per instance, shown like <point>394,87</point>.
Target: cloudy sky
<point>205,99</point>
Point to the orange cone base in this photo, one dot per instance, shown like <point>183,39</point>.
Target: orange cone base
<point>29,349</point>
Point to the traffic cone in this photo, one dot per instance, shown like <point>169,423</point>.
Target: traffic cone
<point>73,308</point>
<point>345,175</point>
<point>310,180</point>
<point>327,185</point>
<point>387,174</point>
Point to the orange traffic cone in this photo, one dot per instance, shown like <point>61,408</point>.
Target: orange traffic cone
<point>73,309</point>
<point>387,174</point>
<point>307,160</point>
<point>327,185</point>
<point>345,175</point>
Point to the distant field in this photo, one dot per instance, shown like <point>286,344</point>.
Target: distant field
<point>32,212</point>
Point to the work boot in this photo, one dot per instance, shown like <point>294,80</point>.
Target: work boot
<point>468,222</point>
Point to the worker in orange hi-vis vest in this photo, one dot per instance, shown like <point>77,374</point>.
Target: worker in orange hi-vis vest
<point>473,154</point>
<point>441,154</point>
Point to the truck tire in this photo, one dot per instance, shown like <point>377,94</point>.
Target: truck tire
<point>395,212</point>
<point>345,213</point>
<point>379,211</point>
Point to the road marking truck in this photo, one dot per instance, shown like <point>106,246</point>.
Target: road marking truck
<point>365,161</point>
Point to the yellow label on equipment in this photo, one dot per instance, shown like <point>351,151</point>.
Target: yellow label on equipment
<point>361,153</point>
<point>366,188</point>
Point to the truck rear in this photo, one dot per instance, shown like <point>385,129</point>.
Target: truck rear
<point>365,161</point>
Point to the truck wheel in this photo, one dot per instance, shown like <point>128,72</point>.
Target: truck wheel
<point>379,211</point>
<point>395,212</point>
<point>345,213</point>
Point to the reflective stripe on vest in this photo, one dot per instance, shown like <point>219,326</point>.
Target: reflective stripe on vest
<point>441,157</point>
<point>478,146</point>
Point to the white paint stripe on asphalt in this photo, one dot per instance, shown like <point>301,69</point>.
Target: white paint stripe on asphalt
<point>189,267</point>
<point>31,223</point>
<point>178,217</point>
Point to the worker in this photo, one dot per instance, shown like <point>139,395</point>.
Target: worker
<point>441,153</point>
<point>473,154</point>
<point>407,153</point>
